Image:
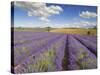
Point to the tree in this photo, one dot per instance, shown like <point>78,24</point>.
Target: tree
<point>95,27</point>
<point>88,32</point>
<point>48,28</point>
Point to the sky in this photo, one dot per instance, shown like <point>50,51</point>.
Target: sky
<point>33,14</point>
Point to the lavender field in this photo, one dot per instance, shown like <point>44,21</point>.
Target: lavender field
<point>47,52</point>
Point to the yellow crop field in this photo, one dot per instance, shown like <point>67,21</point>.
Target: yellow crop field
<point>76,31</point>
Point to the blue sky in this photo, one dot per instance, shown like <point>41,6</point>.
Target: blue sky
<point>58,15</point>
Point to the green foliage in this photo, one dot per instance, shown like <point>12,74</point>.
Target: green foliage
<point>44,62</point>
<point>48,28</point>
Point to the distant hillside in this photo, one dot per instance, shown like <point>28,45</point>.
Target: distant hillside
<point>33,29</point>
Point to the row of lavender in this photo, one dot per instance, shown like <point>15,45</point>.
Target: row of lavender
<point>43,51</point>
<point>80,55</point>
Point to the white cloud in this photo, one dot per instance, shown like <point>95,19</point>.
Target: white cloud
<point>40,10</point>
<point>83,24</point>
<point>87,24</point>
<point>77,24</point>
<point>44,19</point>
<point>87,14</point>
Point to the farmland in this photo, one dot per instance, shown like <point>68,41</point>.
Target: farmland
<point>79,31</point>
<point>50,37</point>
<point>75,31</point>
<point>56,50</point>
